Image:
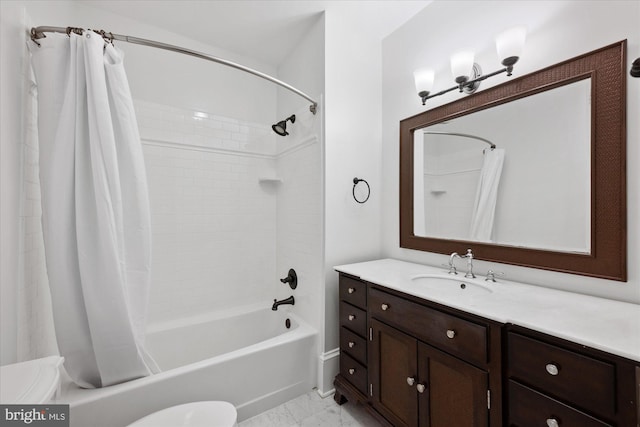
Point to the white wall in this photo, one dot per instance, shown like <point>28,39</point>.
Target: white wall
<point>557,30</point>
<point>352,138</point>
<point>353,106</point>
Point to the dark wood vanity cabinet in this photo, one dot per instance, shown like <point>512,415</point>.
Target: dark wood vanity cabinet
<point>413,384</point>
<point>558,383</point>
<point>353,334</point>
<point>428,367</point>
<point>411,362</point>
<point>425,365</point>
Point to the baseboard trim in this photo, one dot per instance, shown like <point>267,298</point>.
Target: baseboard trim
<point>328,367</point>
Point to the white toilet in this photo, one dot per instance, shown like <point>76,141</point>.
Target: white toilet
<point>194,414</point>
<point>31,382</point>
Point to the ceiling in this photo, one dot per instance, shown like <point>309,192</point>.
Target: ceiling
<point>266,30</point>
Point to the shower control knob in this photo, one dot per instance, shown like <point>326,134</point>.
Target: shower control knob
<point>351,290</point>
<point>451,333</point>
<point>352,317</point>
<point>351,344</point>
<point>384,307</point>
<point>421,388</point>
<point>552,369</point>
<point>291,279</point>
<point>352,371</point>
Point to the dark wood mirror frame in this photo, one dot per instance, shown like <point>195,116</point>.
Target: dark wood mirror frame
<point>608,256</point>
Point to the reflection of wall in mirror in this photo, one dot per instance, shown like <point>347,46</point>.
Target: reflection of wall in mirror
<point>544,193</point>
<point>451,170</point>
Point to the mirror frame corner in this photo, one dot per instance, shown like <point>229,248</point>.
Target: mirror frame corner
<point>608,256</point>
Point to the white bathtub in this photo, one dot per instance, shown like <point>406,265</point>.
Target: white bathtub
<point>248,358</point>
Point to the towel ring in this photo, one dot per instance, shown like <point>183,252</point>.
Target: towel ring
<point>355,183</point>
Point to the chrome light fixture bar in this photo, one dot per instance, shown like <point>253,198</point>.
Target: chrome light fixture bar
<point>467,74</point>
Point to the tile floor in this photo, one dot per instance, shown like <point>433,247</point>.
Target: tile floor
<point>311,410</point>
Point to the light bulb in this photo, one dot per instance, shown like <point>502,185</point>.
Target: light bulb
<point>510,45</point>
<point>424,80</point>
<point>461,66</point>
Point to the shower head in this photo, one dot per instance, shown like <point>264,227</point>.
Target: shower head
<point>281,127</point>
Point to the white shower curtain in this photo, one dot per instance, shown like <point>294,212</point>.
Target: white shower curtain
<point>484,207</point>
<point>95,208</point>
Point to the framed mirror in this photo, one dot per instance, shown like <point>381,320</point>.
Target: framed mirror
<point>531,172</point>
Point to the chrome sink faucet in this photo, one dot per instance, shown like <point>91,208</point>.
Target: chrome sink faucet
<point>469,257</point>
<point>452,266</point>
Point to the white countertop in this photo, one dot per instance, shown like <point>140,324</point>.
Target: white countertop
<point>600,323</point>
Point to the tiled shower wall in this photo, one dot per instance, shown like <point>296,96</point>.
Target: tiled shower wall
<point>213,220</point>
<point>299,219</point>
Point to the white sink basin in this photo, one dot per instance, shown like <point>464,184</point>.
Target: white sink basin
<point>450,285</point>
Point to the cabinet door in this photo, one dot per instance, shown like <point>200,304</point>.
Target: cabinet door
<point>455,392</point>
<point>393,374</point>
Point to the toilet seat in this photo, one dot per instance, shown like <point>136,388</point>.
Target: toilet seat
<point>31,382</point>
<point>194,414</point>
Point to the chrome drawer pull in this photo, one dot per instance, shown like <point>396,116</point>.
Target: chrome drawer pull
<point>384,307</point>
<point>411,381</point>
<point>352,371</point>
<point>421,388</point>
<point>351,290</point>
<point>552,422</point>
<point>351,344</point>
<point>352,317</point>
<point>451,333</point>
<point>552,369</point>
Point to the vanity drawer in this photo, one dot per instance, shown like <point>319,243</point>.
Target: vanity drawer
<point>450,333</point>
<point>353,291</point>
<point>353,318</point>
<point>528,408</point>
<point>354,345</point>
<point>354,372</point>
<point>566,375</point>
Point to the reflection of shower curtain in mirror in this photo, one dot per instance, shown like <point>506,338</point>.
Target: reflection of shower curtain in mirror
<point>484,207</point>
<point>95,209</point>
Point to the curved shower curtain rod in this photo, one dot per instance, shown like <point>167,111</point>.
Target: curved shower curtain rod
<point>465,135</point>
<point>38,33</point>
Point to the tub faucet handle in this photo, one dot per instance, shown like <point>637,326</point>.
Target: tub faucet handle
<point>291,279</point>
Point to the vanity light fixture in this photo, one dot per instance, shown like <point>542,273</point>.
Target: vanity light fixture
<point>467,74</point>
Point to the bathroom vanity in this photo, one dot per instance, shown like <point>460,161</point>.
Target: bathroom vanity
<point>419,347</point>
